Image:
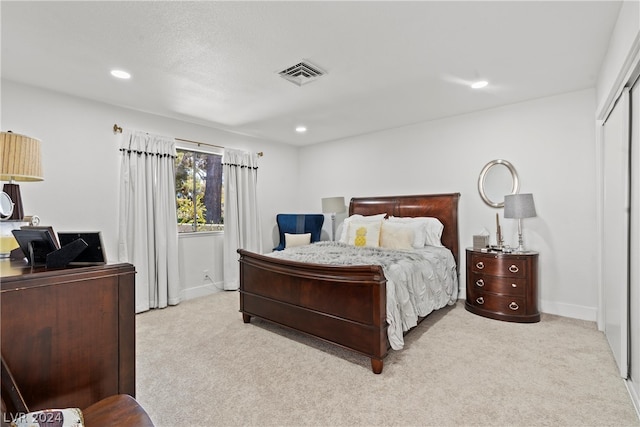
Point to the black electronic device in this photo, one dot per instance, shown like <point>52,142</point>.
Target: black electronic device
<point>93,254</point>
<point>35,244</point>
<point>66,254</point>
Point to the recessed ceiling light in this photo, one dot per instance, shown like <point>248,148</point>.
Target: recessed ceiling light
<point>479,84</point>
<point>120,74</point>
<point>301,129</point>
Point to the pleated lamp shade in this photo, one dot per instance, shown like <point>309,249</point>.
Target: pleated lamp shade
<point>19,161</point>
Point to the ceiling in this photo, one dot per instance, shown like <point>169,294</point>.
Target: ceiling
<point>387,63</point>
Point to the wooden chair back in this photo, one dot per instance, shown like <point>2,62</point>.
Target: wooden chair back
<point>119,409</point>
<point>12,400</point>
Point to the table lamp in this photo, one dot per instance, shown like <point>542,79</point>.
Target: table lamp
<point>19,161</point>
<point>333,205</point>
<point>519,206</point>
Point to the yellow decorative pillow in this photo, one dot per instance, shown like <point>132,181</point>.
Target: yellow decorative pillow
<point>291,240</point>
<point>364,233</point>
<point>343,229</point>
<point>396,235</point>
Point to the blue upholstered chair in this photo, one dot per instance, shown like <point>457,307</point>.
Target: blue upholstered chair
<point>299,224</point>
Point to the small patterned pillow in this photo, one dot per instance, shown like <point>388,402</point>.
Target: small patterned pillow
<point>364,233</point>
<point>359,218</point>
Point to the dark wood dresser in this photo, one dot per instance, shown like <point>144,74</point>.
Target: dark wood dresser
<point>503,286</point>
<point>68,335</point>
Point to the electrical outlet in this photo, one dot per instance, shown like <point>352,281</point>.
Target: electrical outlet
<point>206,276</point>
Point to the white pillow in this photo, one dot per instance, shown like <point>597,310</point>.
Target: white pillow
<point>292,240</point>
<point>365,233</point>
<point>432,228</point>
<point>397,235</point>
<point>360,218</point>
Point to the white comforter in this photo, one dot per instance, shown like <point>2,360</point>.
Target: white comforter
<point>419,281</point>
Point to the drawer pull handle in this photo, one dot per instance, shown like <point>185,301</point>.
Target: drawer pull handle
<point>514,268</point>
<point>513,306</point>
<point>480,265</point>
<point>513,285</point>
<point>480,282</point>
<point>480,300</point>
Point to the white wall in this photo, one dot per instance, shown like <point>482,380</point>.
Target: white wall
<point>81,168</point>
<point>550,142</point>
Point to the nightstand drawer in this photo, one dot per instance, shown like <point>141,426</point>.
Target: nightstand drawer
<point>498,303</point>
<point>499,266</point>
<point>499,285</point>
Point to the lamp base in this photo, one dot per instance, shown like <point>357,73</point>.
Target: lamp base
<point>333,227</point>
<point>13,190</point>
<point>520,249</point>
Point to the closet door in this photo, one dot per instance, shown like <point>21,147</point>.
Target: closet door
<point>634,242</point>
<point>616,231</point>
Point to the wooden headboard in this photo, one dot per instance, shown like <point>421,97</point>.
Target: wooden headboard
<point>441,206</point>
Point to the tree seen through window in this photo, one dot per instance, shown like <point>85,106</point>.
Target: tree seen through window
<point>199,191</point>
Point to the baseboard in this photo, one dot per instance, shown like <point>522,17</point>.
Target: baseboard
<point>200,291</point>
<point>189,293</point>
<point>634,396</point>
<point>569,310</point>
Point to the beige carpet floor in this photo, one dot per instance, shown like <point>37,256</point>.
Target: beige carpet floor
<point>198,364</point>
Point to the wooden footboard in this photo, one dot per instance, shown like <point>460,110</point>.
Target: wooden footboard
<point>345,305</point>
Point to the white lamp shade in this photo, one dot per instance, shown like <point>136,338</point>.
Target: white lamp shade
<point>519,206</point>
<point>333,205</point>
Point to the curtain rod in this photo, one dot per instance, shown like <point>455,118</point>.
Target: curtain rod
<point>118,129</point>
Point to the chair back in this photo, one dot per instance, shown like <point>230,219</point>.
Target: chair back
<point>12,400</point>
<point>299,224</point>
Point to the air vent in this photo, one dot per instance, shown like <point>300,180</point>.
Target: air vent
<point>302,73</point>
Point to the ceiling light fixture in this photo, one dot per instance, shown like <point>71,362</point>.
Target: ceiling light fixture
<point>301,129</point>
<point>479,84</point>
<point>120,74</point>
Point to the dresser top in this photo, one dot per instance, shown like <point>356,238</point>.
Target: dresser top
<point>494,252</point>
<point>11,271</point>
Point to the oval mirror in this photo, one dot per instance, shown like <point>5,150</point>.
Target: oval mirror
<point>497,179</point>
<point>6,205</point>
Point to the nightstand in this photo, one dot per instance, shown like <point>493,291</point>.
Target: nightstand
<point>503,286</point>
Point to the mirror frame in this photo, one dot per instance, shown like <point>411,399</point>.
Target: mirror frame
<point>515,182</point>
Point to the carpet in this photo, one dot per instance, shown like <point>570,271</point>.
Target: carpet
<point>198,364</point>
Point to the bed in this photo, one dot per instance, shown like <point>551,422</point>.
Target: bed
<point>344,305</point>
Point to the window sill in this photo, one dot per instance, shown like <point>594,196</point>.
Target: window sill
<point>192,234</point>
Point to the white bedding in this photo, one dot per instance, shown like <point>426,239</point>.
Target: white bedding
<point>419,281</point>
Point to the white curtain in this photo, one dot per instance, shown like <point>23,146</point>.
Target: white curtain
<point>241,220</point>
<point>147,233</point>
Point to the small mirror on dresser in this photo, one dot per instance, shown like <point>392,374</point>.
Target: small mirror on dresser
<point>497,179</point>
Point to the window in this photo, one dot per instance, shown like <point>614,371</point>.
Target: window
<point>199,191</point>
